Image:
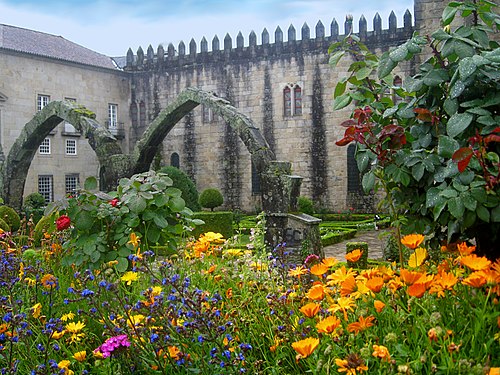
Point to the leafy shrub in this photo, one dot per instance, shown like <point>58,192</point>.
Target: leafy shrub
<point>46,224</point>
<point>182,182</point>
<point>11,217</point>
<point>217,222</point>
<point>305,205</point>
<point>211,198</point>
<point>34,204</point>
<point>4,226</point>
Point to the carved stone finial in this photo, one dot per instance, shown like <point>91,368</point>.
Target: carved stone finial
<point>377,24</point>
<point>170,50</point>
<point>393,22</point>
<point>348,24</point>
<point>278,35</point>
<point>407,20</point>
<point>215,43</point>
<point>334,28</point>
<point>292,35</point>
<point>265,36</point>
<point>140,56</point>
<point>150,55</point>
<point>182,48</point>
<point>130,57</point>
<point>160,53</point>
<point>252,39</point>
<point>228,42</point>
<point>239,40</point>
<point>192,47</point>
<point>320,30</point>
<point>204,45</point>
<point>363,27</point>
<point>305,32</point>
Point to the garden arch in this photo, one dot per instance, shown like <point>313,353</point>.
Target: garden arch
<point>15,168</point>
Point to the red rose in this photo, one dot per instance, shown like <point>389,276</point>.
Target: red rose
<point>63,222</point>
<point>114,202</point>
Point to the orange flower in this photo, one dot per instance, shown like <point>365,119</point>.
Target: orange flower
<point>417,290</point>
<point>330,262</point>
<point>49,281</point>
<point>412,241</point>
<point>381,352</point>
<point>354,255</point>
<point>443,281</point>
<point>475,263</point>
<point>316,293</point>
<point>343,304</point>
<point>375,284</point>
<point>410,277</point>
<point>395,284</point>
<point>465,250</point>
<point>361,324</point>
<point>352,365</point>
<point>298,271</point>
<point>310,310</point>
<point>229,293</point>
<point>379,305</point>
<point>319,269</point>
<point>305,347</point>
<point>328,325</point>
<point>494,371</point>
<point>432,334</point>
<point>174,352</point>
<point>348,286</point>
<point>340,275</point>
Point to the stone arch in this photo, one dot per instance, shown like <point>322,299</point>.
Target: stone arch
<point>15,168</point>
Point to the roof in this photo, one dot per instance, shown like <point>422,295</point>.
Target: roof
<point>52,46</point>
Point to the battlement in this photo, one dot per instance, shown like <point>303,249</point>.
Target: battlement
<point>172,57</point>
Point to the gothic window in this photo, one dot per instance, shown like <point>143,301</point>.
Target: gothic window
<point>353,175</point>
<point>174,160</point>
<point>255,180</point>
<point>292,100</point>
<point>45,187</point>
<point>142,114</point>
<point>134,114</point>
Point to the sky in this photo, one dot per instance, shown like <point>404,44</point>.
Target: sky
<point>111,27</point>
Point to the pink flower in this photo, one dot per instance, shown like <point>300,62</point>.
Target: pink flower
<point>63,222</point>
<point>112,344</point>
<point>114,202</point>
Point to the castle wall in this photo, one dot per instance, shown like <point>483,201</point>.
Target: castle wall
<point>24,77</point>
<point>253,78</point>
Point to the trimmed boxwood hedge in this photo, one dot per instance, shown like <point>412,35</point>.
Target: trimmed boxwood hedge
<point>217,221</point>
<point>332,237</point>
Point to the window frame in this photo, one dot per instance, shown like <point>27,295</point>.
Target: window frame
<point>71,179</point>
<point>66,147</point>
<point>49,194</point>
<point>112,116</point>
<point>45,147</point>
<point>292,100</point>
<point>41,101</point>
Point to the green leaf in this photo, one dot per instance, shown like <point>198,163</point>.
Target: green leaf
<point>340,88</point>
<point>95,256</point>
<point>412,84</point>
<point>363,73</point>
<point>137,204</point>
<point>90,183</point>
<point>84,220</point>
<point>463,49</point>
<point>417,171</point>
<point>368,181</point>
<point>469,202</point>
<point>448,15</point>
<point>456,89</point>
<point>483,213</point>
<point>495,214</point>
<point>399,54</point>
<point>341,102</point>
<point>176,204</point>
<point>435,77</point>
<point>122,265</point>
<point>89,247</point>
<point>386,66</point>
<point>335,58</point>
<point>458,123</point>
<point>160,221</point>
<point>466,67</point>
<point>456,207</point>
<point>438,208</point>
<point>450,105</point>
<point>153,235</point>
<point>161,200</point>
<point>449,193</point>
<point>362,159</point>
<point>447,146</point>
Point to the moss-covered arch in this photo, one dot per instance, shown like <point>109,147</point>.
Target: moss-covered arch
<point>15,168</point>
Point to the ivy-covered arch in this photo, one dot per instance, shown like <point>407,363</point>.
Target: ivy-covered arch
<point>15,168</point>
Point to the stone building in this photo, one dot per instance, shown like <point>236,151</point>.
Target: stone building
<point>282,82</point>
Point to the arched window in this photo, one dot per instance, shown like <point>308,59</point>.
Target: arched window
<point>292,100</point>
<point>174,160</point>
<point>255,180</point>
<point>142,114</point>
<point>134,114</point>
<point>353,175</point>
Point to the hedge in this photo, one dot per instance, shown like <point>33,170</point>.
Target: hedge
<point>218,222</point>
<point>339,235</point>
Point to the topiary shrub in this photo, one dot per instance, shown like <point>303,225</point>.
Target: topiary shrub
<point>34,205</point>
<point>4,226</point>
<point>305,205</point>
<point>211,198</point>
<point>217,222</point>
<point>182,182</point>
<point>11,217</point>
<point>45,224</point>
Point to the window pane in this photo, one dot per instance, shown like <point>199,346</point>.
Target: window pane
<point>72,183</point>
<point>287,97</point>
<point>42,101</point>
<point>297,93</point>
<point>44,147</point>
<point>70,147</point>
<point>45,187</point>
<point>112,115</point>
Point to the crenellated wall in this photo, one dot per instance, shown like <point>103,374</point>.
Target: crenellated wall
<point>252,77</point>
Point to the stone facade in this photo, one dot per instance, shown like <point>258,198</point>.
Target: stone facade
<point>254,77</point>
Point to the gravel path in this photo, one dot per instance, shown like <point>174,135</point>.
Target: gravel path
<point>375,239</point>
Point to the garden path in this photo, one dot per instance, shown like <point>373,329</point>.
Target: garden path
<point>374,238</point>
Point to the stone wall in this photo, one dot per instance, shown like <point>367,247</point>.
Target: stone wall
<point>26,76</point>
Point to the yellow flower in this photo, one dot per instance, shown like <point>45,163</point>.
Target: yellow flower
<point>475,263</point>
<point>30,281</point>
<point>57,335</point>
<point>319,269</point>
<point>417,257</point>
<point>68,316</point>
<point>298,271</point>
<point>75,330</point>
<point>340,275</point>
<point>80,356</point>
<point>233,253</point>
<point>305,347</point>
<point>381,352</point>
<point>352,365</point>
<point>412,241</point>
<point>134,240</point>
<point>174,352</point>
<point>135,320</point>
<point>343,304</point>
<point>21,270</point>
<point>129,276</point>
<point>36,310</point>
<point>328,325</point>
<point>64,365</point>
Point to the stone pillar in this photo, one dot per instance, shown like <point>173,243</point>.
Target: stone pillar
<point>295,183</point>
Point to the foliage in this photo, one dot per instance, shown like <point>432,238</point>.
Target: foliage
<point>211,198</point>
<point>182,182</point>
<point>218,222</point>
<point>214,309</point>
<point>305,205</point>
<point>11,217</point>
<point>146,205</point>
<point>435,150</point>
<point>34,205</point>
<point>47,224</point>
<point>4,226</point>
